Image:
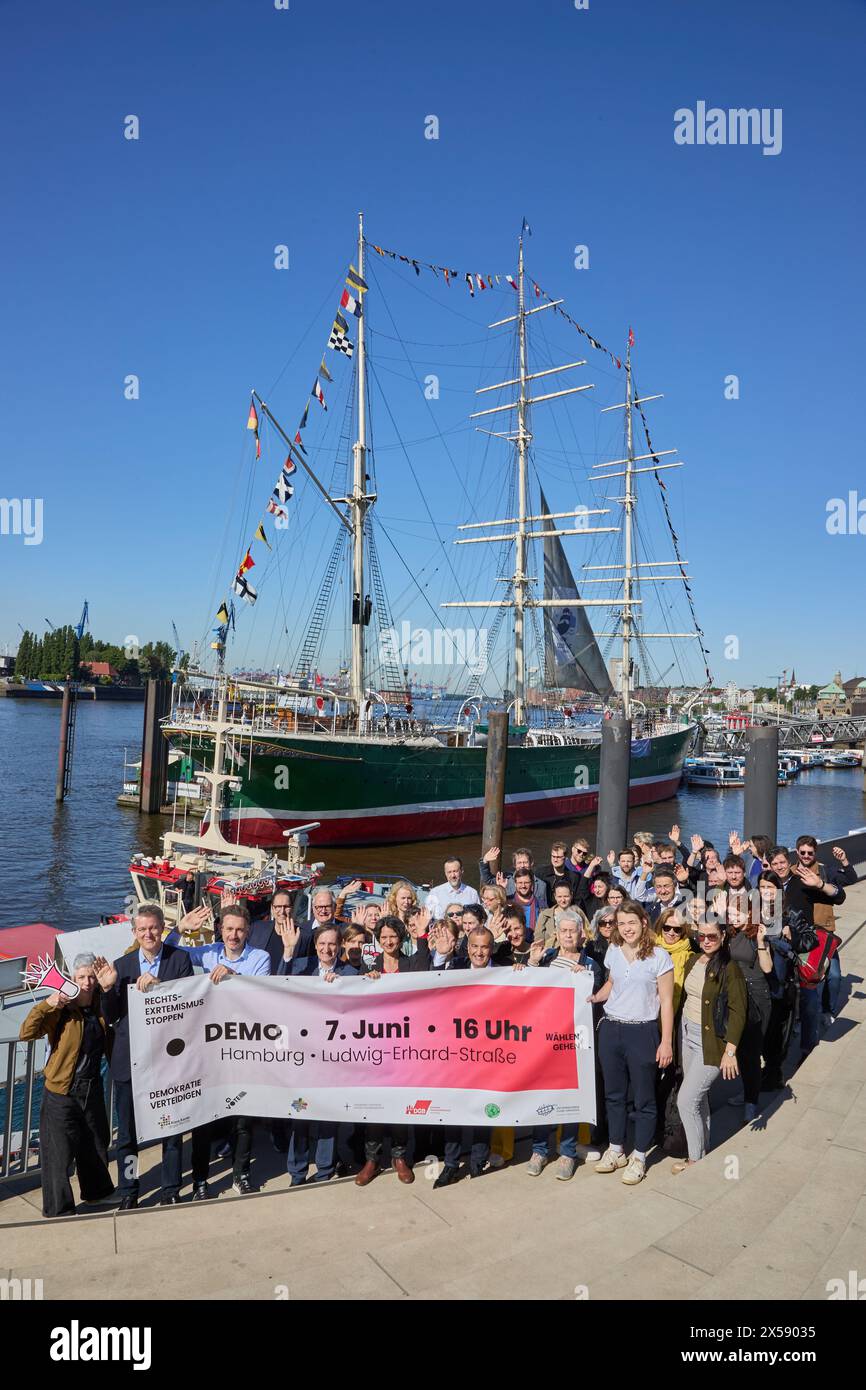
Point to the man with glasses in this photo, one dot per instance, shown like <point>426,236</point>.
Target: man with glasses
<point>224,959</point>
<point>557,871</point>
<point>150,963</point>
<point>521,861</point>
<point>665,892</point>
<point>314,1140</point>
<point>264,936</point>
<point>579,856</point>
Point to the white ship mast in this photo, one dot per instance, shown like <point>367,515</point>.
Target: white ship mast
<point>520,580</point>
<point>630,576</point>
<point>359,502</point>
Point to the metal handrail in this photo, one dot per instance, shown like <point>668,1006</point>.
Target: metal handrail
<point>23,1164</point>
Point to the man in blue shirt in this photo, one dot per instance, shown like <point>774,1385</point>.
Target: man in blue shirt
<point>222,960</point>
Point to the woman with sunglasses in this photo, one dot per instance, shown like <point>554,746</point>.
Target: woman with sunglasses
<point>637,998</point>
<point>672,935</point>
<point>713,1019</point>
<point>750,948</point>
<point>598,934</point>
<point>613,898</point>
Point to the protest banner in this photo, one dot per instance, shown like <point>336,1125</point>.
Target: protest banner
<point>468,1047</point>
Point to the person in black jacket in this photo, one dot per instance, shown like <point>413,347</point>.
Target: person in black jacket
<point>557,871</point>
<point>390,936</point>
<point>265,937</point>
<point>477,1139</point>
<point>149,964</point>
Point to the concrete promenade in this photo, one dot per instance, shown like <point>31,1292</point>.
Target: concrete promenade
<point>775,1211</point>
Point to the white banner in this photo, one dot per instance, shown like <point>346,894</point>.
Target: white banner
<point>495,1047</point>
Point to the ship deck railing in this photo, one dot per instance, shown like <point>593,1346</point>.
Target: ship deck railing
<point>389,727</point>
<point>342,727</point>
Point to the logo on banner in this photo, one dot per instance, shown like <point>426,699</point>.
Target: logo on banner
<point>299,1105</point>
<point>545,1109</point>
<point>491,1111</point>
<point>419,1108</point>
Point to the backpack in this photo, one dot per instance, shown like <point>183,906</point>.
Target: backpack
<point>818,946</point>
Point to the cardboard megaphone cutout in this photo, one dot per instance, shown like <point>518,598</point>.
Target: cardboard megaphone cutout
<point>46,975</point>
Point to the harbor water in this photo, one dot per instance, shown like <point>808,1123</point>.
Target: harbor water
<point>66,865</point>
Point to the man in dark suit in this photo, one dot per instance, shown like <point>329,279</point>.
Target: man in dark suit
<point>323,958</point>
<point>265,937</point>
<point>557,871</point>
<point>320,1135</point>
<point>479,956</point>
<point>150,963</point>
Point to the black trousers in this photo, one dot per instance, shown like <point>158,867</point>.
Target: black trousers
<point>239,1129</point>
<point>477,1141</point>
<point>73,1129</point>
<point>127,1149</point>
<point>752,1045</point>
<point>778,1032</point>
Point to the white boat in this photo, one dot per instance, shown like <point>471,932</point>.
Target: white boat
<point>714,773</point>
<point>843,759</point>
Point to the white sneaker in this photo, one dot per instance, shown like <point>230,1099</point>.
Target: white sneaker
<point>592,1155</point>
<point>610,1161</point>
<point>634,1173</point>
<point>536,1165</point>
<point>565,1167</point>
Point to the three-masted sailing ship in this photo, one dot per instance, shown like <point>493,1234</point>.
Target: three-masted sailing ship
<point>306,750</point>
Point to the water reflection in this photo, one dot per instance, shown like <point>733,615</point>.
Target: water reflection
<point>68,864</point>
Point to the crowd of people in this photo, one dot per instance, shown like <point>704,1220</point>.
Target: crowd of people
<point>698,962</point>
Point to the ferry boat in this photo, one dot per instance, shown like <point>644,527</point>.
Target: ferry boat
<point>714,774</point>
<point>369,772</point>
<point>843,759</point>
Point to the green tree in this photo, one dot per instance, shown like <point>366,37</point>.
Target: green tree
<point>23,657</point>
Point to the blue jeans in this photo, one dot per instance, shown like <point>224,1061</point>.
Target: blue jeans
<point>476,1140</point>
<point>810,1017</point>
<point>323,1134</point>
<point>544,1137</point>
<point>832,989</point>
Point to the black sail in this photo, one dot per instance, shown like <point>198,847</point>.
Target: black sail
<point>571,653</point>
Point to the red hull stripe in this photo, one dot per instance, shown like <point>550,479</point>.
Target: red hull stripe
<point>402,824</point>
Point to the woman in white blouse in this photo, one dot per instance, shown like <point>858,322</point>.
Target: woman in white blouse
<point>637,997</point>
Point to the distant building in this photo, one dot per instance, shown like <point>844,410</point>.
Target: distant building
<point>832,699</point>
<point>858,700</point>
<point>7,665</point>
<point>97,670</point>
<point>852,686</point>
<point>614,670</point>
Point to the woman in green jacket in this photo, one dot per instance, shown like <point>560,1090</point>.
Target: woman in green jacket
<point>713,1018</point>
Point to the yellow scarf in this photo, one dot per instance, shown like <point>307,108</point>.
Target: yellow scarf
<point>679,952</point>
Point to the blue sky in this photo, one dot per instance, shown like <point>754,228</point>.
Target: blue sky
<point>262,127</point>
